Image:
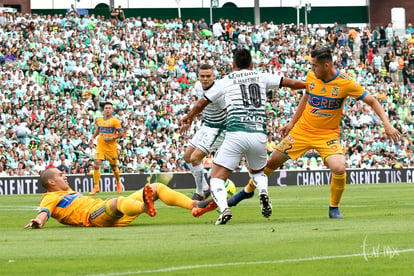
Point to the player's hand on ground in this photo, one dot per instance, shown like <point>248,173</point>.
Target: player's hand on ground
<point>34,223</point>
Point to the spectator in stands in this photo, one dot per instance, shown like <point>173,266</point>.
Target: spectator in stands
<point>63,51</point>
<point>364,47</point>
<point>21,131</point>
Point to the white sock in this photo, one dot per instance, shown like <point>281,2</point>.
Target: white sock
<point>198,173</point>
<point>219,193</point>
<point>260,181</point>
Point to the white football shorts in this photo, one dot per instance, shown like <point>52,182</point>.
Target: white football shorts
<point>238,143</point>
<point>207,139</point>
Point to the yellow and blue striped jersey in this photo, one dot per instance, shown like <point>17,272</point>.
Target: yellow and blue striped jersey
<point>107,128</point>
<point>69,207</point>
<point>323,111</point>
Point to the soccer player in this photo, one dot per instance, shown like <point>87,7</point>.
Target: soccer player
<point>315,125</point>
<point>245,95</point>
<point>72,208</point>
<point>108,129</point>
<point>210,136</point>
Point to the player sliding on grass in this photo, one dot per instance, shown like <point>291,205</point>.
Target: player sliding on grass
<point>72,208</point>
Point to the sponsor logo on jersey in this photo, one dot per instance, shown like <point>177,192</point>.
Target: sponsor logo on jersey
<point>315,111</point>
<point>104,129</point>
<point>241,74</point>
<point>322,102</point>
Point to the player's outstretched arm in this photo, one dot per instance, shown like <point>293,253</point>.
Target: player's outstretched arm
<point>187,120</point>
<point>391,131</point>
<point>286,128</point>
<point>38,222</point>
<point>293,83</point>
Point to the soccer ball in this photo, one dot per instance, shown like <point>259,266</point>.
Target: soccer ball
<point>230,187</point>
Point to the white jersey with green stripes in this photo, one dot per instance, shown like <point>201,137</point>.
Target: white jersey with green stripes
<point>245,96</point>
<point>213,114</point>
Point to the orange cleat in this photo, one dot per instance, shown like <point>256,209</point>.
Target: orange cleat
<point>203,207</point>
<point>119,187</point>
<point>95,190</point>
<point>148,196</point>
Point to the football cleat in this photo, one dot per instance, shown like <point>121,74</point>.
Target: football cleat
<point>224,217</point>
<point>197,197</point>
<point>206,193</point>
<point>95,190</point>
<point>265,204</point>
<point>203,207</point>
<point>148,196</point>
<point>204,196</point>
<point>334,213</point>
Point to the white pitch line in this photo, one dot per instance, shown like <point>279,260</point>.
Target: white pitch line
<point>187,267</point>
<point>17,208</point>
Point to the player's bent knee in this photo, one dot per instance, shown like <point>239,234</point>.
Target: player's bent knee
<point>196,161</point>
<point>113,207</point>
<point>97,163</point>
<point>154,187</point>
<point>338,170</point>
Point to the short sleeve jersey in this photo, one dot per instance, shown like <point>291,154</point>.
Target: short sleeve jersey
<point>68,207</point>
<point>214,114</point>
<point>107,128</point>
<point>245,97</point>
<point>326,99</point>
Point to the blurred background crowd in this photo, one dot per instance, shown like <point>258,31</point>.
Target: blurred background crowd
<point>57,70</point>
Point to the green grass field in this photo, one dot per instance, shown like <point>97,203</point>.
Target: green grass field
<point>376,237</point>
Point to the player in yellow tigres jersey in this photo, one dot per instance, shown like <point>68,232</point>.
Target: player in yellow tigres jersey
<point>72,208</point>
<point>108,129</point>
<point>315,125</point>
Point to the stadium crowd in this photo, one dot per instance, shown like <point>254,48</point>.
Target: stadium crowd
<point>57,70</point>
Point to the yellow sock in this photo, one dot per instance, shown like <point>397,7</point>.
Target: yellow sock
<point>117,175</point>
<point>338,183</point>
<point>173,198</point>
<point>129,207</point>
<point>268,171</point>
<point>250,186</point>
<point>137,196</point>
<point>96,177</point>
